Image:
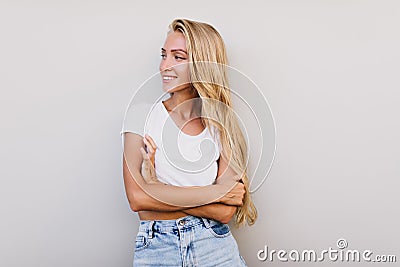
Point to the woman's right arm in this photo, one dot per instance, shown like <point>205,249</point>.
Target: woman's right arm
<point>163,197</point>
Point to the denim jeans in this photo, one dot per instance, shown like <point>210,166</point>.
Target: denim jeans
<point>187,241</point>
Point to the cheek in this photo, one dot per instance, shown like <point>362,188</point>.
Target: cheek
<point>183,72</point>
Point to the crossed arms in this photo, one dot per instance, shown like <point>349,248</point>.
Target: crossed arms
<point>218,201</point>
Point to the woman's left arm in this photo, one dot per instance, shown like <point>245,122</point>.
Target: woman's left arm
<point>216,211</point>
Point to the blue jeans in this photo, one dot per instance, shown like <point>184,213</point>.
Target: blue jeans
<point>187,241</point>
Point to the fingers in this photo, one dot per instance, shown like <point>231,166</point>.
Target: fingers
<point>235,195</point>
<point>233,200</point>
<point>144,154</point>
<point>147,168</point>
<point>150,144</point>
<point>151,141</point>
<point>239,188</point>
<point>239,192</point>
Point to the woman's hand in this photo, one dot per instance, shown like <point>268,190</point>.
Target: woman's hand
<point>151,147</point>
<point>235,196</point>
<point>148,167</point>
<point>233,193</point>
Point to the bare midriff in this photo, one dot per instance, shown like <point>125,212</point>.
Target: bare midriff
<point>161,215</point>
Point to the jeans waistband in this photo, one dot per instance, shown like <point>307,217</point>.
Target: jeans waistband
<point>165,226</point>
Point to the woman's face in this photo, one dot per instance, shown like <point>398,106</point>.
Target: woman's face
<point>174,67</point>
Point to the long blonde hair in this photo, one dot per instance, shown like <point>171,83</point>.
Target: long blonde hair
<point>208,61</point>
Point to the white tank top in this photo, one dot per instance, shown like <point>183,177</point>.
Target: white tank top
<point>180,159</point>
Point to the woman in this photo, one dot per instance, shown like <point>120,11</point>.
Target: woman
<point>184,213</point>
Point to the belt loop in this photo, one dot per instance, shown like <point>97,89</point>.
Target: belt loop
<point>151,228</point>
<point>206,222</point>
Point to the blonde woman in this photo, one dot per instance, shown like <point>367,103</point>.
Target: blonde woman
<point>184,209</point>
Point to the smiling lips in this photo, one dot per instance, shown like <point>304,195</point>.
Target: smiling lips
<point>167,78</point>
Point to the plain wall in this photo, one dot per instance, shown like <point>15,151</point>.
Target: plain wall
<point>329,70</point>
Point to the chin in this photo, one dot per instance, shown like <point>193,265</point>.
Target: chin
<point>169,89</point>
<point>172,88</point>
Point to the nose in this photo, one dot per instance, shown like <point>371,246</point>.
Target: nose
<point>166,63</point>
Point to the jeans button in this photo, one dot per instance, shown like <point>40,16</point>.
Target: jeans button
<point>182,222</point>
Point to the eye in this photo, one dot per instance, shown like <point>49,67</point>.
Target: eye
<point>163,56</point>
<point>179,58</point>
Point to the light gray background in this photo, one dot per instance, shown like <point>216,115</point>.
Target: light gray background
<point>329,69</point>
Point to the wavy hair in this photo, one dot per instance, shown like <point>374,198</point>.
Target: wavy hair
<point>208,75</point>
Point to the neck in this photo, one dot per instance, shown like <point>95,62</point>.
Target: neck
<point>184,104</point>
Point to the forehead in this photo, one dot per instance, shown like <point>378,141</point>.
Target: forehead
<point>175,40</point>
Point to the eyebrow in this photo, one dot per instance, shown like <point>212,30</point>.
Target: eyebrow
<point>174,50</point>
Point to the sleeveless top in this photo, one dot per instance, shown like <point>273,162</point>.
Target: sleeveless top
<point>180,159</point>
